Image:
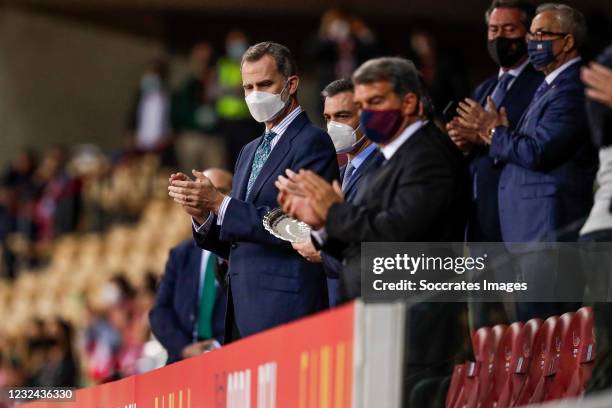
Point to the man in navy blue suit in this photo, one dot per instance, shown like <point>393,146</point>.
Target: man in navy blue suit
<point>512,87</point>
<point>270,284</point>
<point>545,189</point>
<point>189,312</point>
<point>342,117</point>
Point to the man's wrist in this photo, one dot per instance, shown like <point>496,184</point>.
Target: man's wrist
<point>218,203</point>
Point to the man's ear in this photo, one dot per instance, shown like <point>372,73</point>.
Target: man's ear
<point>570,43</point>
<point>294,82</point>
<point>410,104</point>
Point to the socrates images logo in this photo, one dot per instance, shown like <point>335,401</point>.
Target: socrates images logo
<point>239,387</point>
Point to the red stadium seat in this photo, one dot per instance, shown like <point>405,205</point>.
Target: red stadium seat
<point>544,363</point>
<point>512,361</point>
<point>477,375</point>
<point>576,360</point>
<point>456,384</point>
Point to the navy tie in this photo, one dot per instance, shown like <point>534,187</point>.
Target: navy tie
<point>348,173</point>
<point>501,89</point>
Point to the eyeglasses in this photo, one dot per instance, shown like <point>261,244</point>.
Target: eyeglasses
<point>538,35</point>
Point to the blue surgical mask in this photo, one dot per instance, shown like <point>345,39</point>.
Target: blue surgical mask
<point>540,53</point>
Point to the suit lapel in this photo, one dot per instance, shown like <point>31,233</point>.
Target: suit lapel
<point>243,171</point>
<point>278,154</point>
<point>360,172</point>
<point>489,90</point>
<point>569,71</point>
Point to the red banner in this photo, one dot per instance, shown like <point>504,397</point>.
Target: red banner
<point>305,364</point>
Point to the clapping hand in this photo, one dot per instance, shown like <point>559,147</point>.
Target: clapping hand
<point>598,78</point>
<point>197,196</point>
<point>307,197</point>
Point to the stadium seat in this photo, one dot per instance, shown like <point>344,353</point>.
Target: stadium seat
<point>575,363</point>
<point>478,374</point>
<point>512,361</point>
<point>546,352</point>
<point>456,384</point>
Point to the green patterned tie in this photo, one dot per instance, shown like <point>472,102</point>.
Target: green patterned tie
<point>261,155</point>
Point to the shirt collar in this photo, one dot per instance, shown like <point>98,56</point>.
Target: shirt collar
<point>282,126</point>
<point>553,75</point>
<point>362,156</point>
<point>389,150</point>
<point>515,72</point>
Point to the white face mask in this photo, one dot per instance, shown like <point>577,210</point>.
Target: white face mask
<point>265,106</point>
<point>343,136</point>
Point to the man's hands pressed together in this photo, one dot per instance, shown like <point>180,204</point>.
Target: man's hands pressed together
<point>198,197</point>
<point>307,197</point>
<point>474,124</point>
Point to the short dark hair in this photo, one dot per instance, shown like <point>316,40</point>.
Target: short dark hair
<point>400,72</point>
<point>285,63</point>
<point>337,87</point>
<point>526,7</point>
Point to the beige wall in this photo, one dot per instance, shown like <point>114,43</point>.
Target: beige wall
<point>62,81</point>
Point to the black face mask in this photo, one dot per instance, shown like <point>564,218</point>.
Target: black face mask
<point>507,51</point>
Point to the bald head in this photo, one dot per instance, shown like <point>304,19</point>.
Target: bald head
<point>221,179</point>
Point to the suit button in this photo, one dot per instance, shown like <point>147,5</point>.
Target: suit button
<point>192,317</point>
<point>234,246</point>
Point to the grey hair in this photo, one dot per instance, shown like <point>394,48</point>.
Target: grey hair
<point>571,20</point>
<point>527,9</point>
<point>400,72</point>
<point>337,87</point>
<point>285,62</point>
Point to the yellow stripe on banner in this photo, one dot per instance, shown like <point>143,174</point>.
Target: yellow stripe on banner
<point>303,379</point>
<point>156,402</point>
<point>339,387</point>
<point>171,401</point>
<point>324,396</point>
<point>348,374</point>
<point>314,360</point>
<point>188,397</point>
<point>181,399</point>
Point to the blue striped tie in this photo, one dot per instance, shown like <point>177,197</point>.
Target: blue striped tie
<point>261,155</point>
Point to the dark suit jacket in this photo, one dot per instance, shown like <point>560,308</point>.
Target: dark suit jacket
<point>550,163</point>
<point>175,313</point>
<point>420,194</point>
<point>483,224</point>
<point>331,264</point>
<point>270,283</point>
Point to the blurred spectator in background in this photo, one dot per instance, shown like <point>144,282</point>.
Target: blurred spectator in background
<point>236,124</point>
<point>188,317</point>
<point>149,119</point>
<point>598,227</point>
<point>342,43</point>
<point>442,71</point>
<point>57,210</point>
<point>59,367</point>
<point>193,115</point>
